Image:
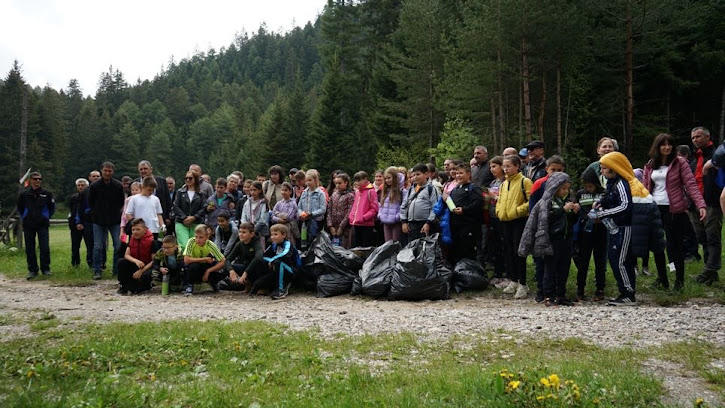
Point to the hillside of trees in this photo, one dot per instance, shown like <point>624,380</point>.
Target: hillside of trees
<point>379,82</point>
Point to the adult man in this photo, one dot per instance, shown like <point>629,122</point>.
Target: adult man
<point>536,168</point>
<point>94,176</point>
<point>707,232</point>
<point>510,151</point>
<point>233,187</point>
<point>171,187</point>
<point>204,186</point>
<point>480,172</point>
<point>79,222</point>
<point>36,206</point>
<point>106,201</point>
<point>162,192</point>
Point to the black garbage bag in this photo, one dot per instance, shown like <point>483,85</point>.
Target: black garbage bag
<point>334,284</point>
<point>356,287</point>
<point>363,252</point>
<point>335,258</point>
<point>378,269</point>
<point>420,272</point>
<point>469,275</point>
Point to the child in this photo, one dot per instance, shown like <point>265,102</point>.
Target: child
<point>299,185</point>
<point>203,262</point>
<point>615,209</point>
<point>285,212</point>
<point>590,237</point>
<point>239,206</point>
<point>244,258</point>
<point>494,235</point>
<point>379,180</point>
<point>391,199</point>
<point>341,202</point>
<point>225,235</point>
<point>311,207</point>
<point>553,214</point>
<point>279,263</point>
<point>363,212</point>
<point>147,206</point>
<point>466,217</point>
<point>416,212</point>
<point>512,209</point>
<point>125,226</point>
<point>134,269</point>
<point>255,210</point>
<point>168,261</point>
<point>220,201</point>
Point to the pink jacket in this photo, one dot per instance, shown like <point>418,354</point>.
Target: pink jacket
<point>365,207</point>
<point>679,180</point>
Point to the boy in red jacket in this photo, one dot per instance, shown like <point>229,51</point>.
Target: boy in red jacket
<point>363,212</point>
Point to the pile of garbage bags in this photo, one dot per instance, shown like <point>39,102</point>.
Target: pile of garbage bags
<point>414,272</point>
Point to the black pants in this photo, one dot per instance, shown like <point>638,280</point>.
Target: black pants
<point>556,269</point>
<point>515,265</point>
<point>126,269</point>
<point>539,265</point>
<point>193,273</point>
<point>76,237</point>
<point>589,243</point>
<point>265,278</point>
<point>708,234</point>
<point>364,236</point>
<point>495,247</point>
<point>691,248</point>
<point>465,242</point>
<point>675,227</point>
<point>622,261</point>
<point>414,230</point>
<point>29,234</point>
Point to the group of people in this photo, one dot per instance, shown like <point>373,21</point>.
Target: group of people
<point>244,234</point>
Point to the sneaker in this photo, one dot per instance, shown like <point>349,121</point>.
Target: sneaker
<point>549,302</point>
<point>31,275</point>
<point>671,267</point>
<point>189,290</point>
<point>645,271</point>
<point>522,292</point>
<point>47,273</point>
<point>278,295</point>
<point>511,288</point>
<point>623,300</point>
<point>540,297</point>
<point>122,291</point>
<point>562,301</point>
<point>503,283</point>
<point>97,275</point>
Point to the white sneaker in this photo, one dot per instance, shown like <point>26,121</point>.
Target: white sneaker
<point>502,284</point>
<point>671,266</point>
<point>511,288</point>
<point>522,292</point>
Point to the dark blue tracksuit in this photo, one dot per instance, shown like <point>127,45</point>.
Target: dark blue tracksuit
<point>35,208</point>
<point>617,205</point>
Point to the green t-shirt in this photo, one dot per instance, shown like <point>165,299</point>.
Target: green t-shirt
<point>192,249</point>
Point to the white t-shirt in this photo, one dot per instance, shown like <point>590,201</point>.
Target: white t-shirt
<point>146,207</point>
<point>191,195</point>
<point>659,178</point>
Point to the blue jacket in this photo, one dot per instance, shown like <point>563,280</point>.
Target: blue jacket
<point>444,214</point>
<point>648,233</point>
<point>36,207</point>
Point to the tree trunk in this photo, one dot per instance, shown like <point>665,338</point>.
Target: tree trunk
<point>542,107</point>
<point>566,123</point>
<point>501,122</point>
<point>628,134</point>
<point>493,125</point>
<point>526,92</point>
<point>558,108</point>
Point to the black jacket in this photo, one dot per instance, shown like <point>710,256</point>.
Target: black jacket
<point>470,198</point>
<point>247,254</point>
<point>535,170</point>
<point>36,207</point>
<point>80,211</point>
<point>481,174</point>
<point>184,208</point>
<point>106,202</point>
<point>709,180</point>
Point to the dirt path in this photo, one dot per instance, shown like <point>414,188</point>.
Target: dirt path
<point>479,313</point>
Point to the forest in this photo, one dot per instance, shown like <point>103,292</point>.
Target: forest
<point>379,82</point>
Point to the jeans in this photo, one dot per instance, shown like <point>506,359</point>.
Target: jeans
<point>708,234</point>
<point>100,233</point>
<point>29,234</point>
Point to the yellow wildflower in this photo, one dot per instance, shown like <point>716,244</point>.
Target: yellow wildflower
<point>540,397</point>
<point>545,382</point>
<point>699,402</point>
<point>552,396</point>
<point>514,384</point>
<point>554,381</point>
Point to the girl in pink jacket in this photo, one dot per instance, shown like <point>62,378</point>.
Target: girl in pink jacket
<point>364,210</point>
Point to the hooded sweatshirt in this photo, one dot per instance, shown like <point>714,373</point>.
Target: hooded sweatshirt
<point>365,207</point>
<point>536,239</point>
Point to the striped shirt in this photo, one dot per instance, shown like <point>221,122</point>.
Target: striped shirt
<point>194,250</point>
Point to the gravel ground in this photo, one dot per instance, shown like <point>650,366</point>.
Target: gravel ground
<point>474,314</point>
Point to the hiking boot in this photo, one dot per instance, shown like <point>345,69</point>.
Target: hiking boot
<point>522,292</point>
<point>623,300</point>
<point>31,275</point>
<point>97,275</point>
<point>122,291</point>
<point>511,288</point>
<point>188,290</point>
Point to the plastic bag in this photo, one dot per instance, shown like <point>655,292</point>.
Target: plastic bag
<point>335,267</point>
<point>469,275</point>
<point>334,284</point>
<point>378,269</point>
<point>420,272</point>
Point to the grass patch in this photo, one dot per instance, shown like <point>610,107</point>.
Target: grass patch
<point>240,363</point>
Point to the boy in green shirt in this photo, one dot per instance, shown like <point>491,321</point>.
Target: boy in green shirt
<point>203,261</point>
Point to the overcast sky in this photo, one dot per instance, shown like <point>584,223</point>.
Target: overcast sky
<point>57,40</point>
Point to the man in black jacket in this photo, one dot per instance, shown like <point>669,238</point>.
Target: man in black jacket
<point>707,232</point>
<point>105,199</point>
<point>79,222</point>
<point>536,167</point>
<point>36,206</point>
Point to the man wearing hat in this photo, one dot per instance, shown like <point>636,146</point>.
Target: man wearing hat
<point>536,168</point>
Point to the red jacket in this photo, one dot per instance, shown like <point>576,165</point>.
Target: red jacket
<point>679,180</point>
<point>365,207</point>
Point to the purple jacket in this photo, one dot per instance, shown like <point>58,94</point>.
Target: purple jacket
<point>679,179</point>
<point>389,213</point>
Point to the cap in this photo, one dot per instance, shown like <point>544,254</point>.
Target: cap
<point>535,144</point>
<point>524,152</point>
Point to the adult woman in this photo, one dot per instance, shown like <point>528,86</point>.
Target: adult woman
<point>604,145</point>
<point>272,188</point>
<point>189,208</point>
<point>670,179</point>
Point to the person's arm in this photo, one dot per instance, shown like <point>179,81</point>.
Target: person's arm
<point>127,256</point>
<point>523,209</point>
<point>432,199</point>
<point>623,202</point>
<point>179,213</point>
<point>347,202</point>
<point>373,208</point>
<point>690,187</point>
<point>722,201</point>
<point>321,205</point>
<point>475,205</point>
